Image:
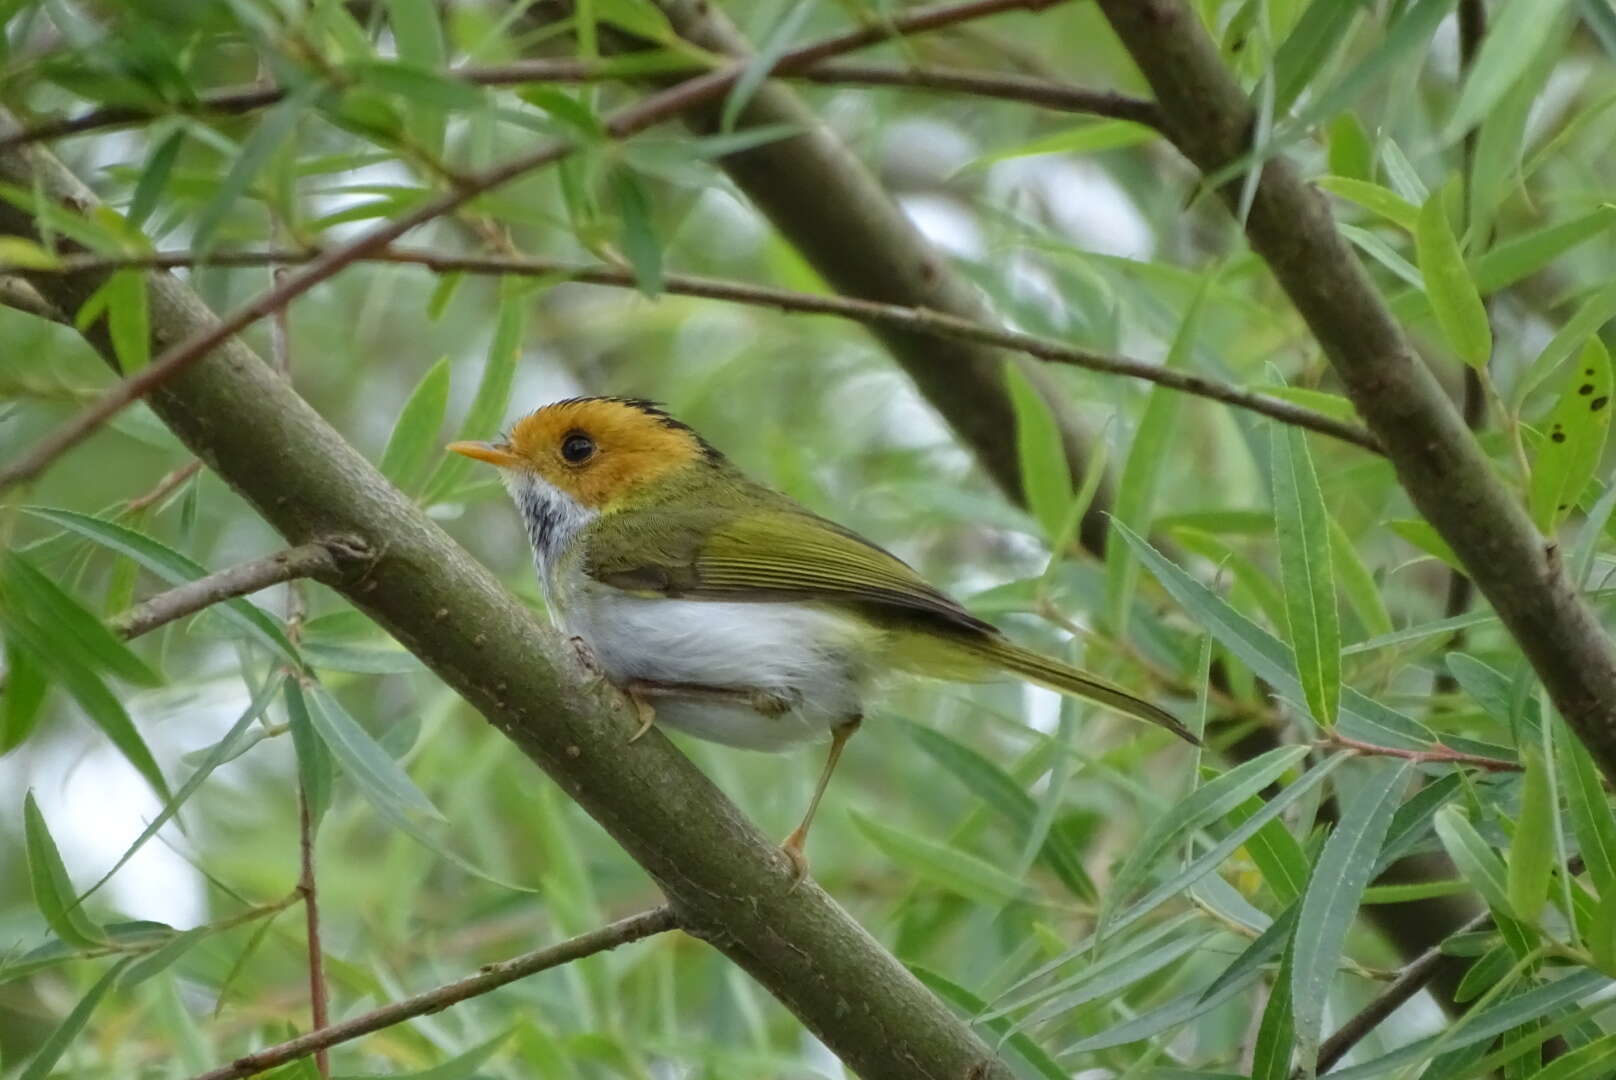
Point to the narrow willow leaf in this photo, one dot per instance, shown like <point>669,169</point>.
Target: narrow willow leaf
<point>757,69</point>
<point>1378,200</point>
<point>1112,977</point>
<point>57,1042</point>
<point>1454,298</point>
<point>1591,315</point>
<point>79,636</point>
<point>154,176</point>
<point>159,960</point>
<point>315,771</point>
<point>1351,154</point>
<point>1147,456</point>
<point>274,127</point>
<point>1480,865</point>
<point>995,787</point>
<point>640,241</point>
<point>1175,1013</point>
<point>414,440</point>
<point>215,756</point>
<point>1589,1062</point>
<point>1427,539</point>
<point>971,1006</point>
<point>1410,34</point>
<point>1204,806</point>
<point>1413,819</point>
<point>1266,655</point>
<point>1486,1025</point>
<point>1532,852</point>
<point>1302,527</point>
<point>1300,58</point>
<point>1522,256</point>
<point>1357,582</point>
<point>1343,870</point>
<point>1280,859</point>
<point>23,697</point>
<point>1484,973</point>
<point>1519,30</point>
<point>1046,478</point>
<point>1591,818</point>
<point>54,894</point>
<point>1276,1033</point>
<point>1576,431</point>
<point>1601,937</point>
<point>362,757</point>
<point>128,320</point>
<point>948,868</point>
<point>172,567</point>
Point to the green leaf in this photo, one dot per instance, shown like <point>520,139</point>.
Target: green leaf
<point>1484,974</point>
<point>128,320</point>
<point>1278,856</point>
<point>1601,937</point>
<point>759,66</point>
<point>274,128</point>
<point>416,33</point>
<point>1480,865</point>
<point>1302,527</point>
<point>1357,582</point>
<point>1573,334</point>
<point>1302,55</point>
<point>1267,656</point>
<point>1204,806</point>
<point>1087,138</point>
<point>1532,852</point>
<point>641,243</point>
<point>1046,479</point>
<point>159,960</point>
<point>1135,501</point>
<point>54,894</point>
<point>1590,1062</point>
<point>995,787</point>
<point>970,1005</point>
<point>1448,285</point>
<point>315,772</point>
<point>1343,870</point>
<point>1522,256</point>
<point>1110,978</point>
<point>1576,432</point>
<point>1427,539</point>
<point>78,635</point>
<point>1591,817</point>
<point>1351,154</point>
<point>1271,1059</point>
<point>174,568</point>
<point>417,85</point>
<point>946,867</point>
<point>22,697</point>
<point>1376,199</point>
<point>56,1043</point>
<point>1520,28</point>
<point>385,784</point>
<point>414,441</point>
<point>332,656</point>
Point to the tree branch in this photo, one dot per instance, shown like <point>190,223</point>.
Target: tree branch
<point>1414,977</point>
<point>491,977</point>
<point>931,323</point>
<point>653,110</point>
<point>305,560</point>
<point>1437,459</point>
<point>1439,755</point>
<point>1004,86</point>
<point>727,882</point>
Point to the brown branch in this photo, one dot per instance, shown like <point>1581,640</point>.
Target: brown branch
<point>491,977</point>
<point>1441,755</point>
<point>1004,86</point>
<point>305,560</point>
<point>319,996</point>
<point>919,320</point>
<point>1414,977</point>
<point>1438,461</point>
<point>646,113</point>
<point>164,487</point>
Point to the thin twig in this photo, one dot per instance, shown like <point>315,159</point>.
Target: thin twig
<point>319,996</point>
<point>919,320</point>
<point>164,487</point>
<point>1041,92</point>
<point>306,560</point>
<point>490,977</point>
<point>1410,981</point>
<point>17,294</point>
<point>1441,755</point>
<point>652,110</point>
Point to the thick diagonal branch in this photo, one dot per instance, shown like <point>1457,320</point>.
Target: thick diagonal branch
<point>1437,459</point>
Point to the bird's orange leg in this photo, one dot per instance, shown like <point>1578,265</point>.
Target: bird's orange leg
<point>793,846</point>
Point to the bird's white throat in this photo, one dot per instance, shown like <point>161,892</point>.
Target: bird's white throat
<point>552,517</point>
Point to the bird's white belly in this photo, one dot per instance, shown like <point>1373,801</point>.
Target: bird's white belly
<point>806,655</point>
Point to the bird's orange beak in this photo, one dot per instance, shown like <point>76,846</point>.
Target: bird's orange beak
<point>482,451</point>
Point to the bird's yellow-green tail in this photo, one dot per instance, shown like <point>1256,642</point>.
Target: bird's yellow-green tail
<point>1065,679</point>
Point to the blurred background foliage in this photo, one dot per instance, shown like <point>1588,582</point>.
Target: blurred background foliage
<point>1099,895</point>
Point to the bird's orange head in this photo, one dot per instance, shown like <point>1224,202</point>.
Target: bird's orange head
<point>600,451</point>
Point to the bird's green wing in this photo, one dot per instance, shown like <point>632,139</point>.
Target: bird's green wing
<point>785,555</point>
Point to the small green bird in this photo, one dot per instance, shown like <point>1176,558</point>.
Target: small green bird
<point>748,619</point>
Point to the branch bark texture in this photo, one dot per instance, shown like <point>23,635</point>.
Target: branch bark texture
<point>1437,459</point>
<point>726,882</point>
<point>305,560</point>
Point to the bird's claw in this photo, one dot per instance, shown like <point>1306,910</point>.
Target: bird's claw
<point>792,849</point>
<point>647,714</point>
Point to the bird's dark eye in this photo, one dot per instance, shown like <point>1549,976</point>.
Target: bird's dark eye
<point>577,448</point>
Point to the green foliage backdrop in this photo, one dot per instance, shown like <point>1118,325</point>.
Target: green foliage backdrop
<point>1095,899</point>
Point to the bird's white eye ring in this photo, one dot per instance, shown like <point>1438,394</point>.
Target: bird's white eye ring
<point>577,448</point>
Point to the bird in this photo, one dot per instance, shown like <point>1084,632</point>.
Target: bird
<point>726,609</point>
